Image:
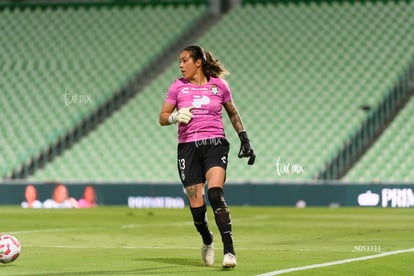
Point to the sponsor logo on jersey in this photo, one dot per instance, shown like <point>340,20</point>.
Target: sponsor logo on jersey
<point>200,100</point>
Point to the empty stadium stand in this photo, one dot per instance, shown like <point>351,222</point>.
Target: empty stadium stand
<point>60,63</point>
<point>390,158</point>
<point>301,71</point>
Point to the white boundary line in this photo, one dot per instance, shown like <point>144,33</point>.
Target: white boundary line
<point>134,247</point>
<point>125,226</point>
<point>293,269</point>
<point>109,247</point>
<point>49,230</point>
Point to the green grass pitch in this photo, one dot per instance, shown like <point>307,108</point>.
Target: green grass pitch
<point>122,241</point>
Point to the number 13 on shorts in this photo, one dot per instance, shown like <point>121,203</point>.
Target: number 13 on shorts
<point>181,165</point>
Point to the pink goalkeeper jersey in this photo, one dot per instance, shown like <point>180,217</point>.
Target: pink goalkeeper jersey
<point>207,101</point>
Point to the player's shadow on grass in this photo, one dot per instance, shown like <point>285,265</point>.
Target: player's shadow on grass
<point>184,262</point>
<point>175,261</point>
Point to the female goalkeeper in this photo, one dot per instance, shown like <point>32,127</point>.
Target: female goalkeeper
<point>198,98</point>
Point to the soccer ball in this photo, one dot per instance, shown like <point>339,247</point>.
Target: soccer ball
<point>9,248</point>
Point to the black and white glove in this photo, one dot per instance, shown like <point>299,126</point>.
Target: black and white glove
<point>246,150</point>
<point>183,115</point>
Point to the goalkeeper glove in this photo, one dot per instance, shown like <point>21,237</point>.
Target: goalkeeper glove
<point>183,115</point>
<point>246,149</point>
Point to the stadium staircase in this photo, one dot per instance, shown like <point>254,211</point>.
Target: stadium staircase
<point>390,158</point>
<point>378,120</point>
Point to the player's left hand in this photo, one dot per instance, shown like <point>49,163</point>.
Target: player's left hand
<point>246,149</point>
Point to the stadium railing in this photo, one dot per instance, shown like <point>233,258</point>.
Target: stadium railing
<point>376,121</point>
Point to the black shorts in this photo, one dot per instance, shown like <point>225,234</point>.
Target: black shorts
<point>196,158</point>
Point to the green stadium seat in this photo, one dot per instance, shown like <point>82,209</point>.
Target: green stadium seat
<point>389,158</point>
<point>87,51</point>
<point>299,77</point>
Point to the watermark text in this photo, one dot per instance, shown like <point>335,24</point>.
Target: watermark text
<point>288,168</point>
<point>366,248</point>
<point>76,99</point>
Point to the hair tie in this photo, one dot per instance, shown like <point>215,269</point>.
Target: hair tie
<point>204,56</point>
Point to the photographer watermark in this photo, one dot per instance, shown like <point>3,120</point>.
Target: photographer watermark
<point>202,141</point>
<point>288,168</point>
<point>366,248</point>
<point>208,141</point>
<point>76,99</point>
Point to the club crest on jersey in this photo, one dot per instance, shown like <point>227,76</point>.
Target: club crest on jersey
<point>214,89</point>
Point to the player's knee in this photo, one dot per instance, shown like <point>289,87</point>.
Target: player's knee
<point>216,197</point>
<point>217,202</point>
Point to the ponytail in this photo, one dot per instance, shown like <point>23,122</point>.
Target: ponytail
<point>211,66</point>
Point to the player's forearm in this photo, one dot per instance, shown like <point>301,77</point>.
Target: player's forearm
<point>164,119</point>
<point>234,117</point>
<point>237,122</point>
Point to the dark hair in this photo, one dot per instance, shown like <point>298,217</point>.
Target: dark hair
<point>211,66</point>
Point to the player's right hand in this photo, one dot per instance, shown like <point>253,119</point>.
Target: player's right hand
<point>183,116</point>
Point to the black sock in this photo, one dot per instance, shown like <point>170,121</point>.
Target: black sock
<point>200,222</point>
<point>222,217</point>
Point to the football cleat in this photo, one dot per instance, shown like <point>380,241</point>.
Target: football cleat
<point>207,253</point>
<point>229,261</point>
